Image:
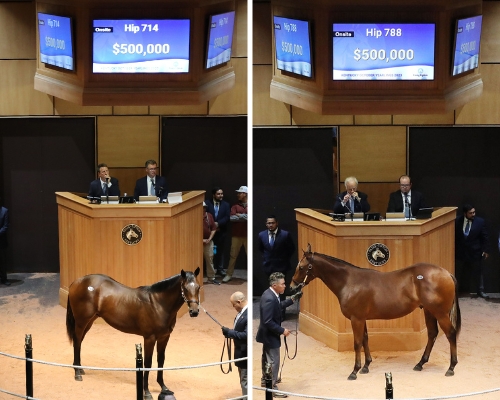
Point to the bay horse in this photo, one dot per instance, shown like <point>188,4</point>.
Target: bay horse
<point>148,311</point>
<point>366,294</point>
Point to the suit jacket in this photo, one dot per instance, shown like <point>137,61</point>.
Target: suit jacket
<point>276,258</point>
<point>223,214</point>
<point>361,205</point>
<point>239,336</point>
<point>4,225</point>
<point>270,327</point>
<point>396,202</point>
<point>471,248</point>
<point>141,187</point>
<point>95,189</point>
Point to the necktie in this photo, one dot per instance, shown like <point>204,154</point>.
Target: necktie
<point>271,240</point>
<point>351,203</point>
<point>216,210</point>
<point>104,188</point>
<point>152,193</point>
<point>467,228</point>
<point>407,206</point>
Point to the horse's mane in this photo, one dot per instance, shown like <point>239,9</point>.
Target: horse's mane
<point>166,283</point>
<point>347,264</point>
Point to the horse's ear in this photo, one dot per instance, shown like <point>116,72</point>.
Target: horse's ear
<point>196,271</point>
<point>183,274</point>
<point>308,248</point>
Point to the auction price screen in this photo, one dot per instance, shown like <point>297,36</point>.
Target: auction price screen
<point>383,51</point>
<point>141,46</point>
<point>56,47</point>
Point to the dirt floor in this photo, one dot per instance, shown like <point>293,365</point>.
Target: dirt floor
<point>30,306</point>
<point>322,372</point>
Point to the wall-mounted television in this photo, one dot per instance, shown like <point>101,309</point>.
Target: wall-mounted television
<point>292,38</point>
<point>220,39</point>
<point>56,41</point>
<point>467,43</point>
<point>140,46</point>
<point>372,51</point>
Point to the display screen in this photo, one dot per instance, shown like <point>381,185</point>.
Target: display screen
<point>56,45</point>
<point>293,46</point>
<point>141,46</point>
<point>383,52</point>
<point>220,39</point>
<point>467,41</point>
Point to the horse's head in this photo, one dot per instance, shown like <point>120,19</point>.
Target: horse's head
<point>304,271</point>
<point>190,290</point>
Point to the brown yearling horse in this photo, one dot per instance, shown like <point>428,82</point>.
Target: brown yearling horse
<point>368,294</point>
<point>148,311</point>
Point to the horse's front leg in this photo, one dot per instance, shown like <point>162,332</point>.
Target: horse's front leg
<point>368,356</point>
<point>358,332</point>
<point>161,345</point>
<point>149,345</point>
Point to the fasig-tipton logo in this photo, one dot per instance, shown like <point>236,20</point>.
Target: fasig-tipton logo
<point>377,254</point>
<point>131,234</point>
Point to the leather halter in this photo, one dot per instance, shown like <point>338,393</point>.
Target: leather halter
<point>308,272</point>
<point>188,302</point>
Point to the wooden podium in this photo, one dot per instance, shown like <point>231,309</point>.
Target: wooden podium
<point>93,240</point>
<point>408,242</point>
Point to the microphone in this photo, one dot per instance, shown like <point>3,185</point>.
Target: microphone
<point>107,190</point>
<point>346,205</point>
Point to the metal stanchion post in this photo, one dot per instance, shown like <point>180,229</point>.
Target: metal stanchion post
<point>139,374</point>
<point>268,376</point>
<point>388,386</point>
<point>28,350</point>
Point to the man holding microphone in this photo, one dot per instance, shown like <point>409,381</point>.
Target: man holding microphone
<point>351,201</point>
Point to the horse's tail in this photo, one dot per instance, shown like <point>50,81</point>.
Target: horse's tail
<point>455,316</point>
<point>70,322</point>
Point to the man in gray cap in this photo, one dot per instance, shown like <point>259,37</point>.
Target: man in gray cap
<point>239,219</point>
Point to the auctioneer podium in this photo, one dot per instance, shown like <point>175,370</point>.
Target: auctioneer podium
<point>405,242</point>
<point>135,244</point>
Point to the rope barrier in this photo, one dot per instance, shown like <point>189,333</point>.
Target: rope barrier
<point>123,369</point>
<point>17,395</point>
<point>455,396</point>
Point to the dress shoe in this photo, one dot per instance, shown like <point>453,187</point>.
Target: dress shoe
<point>214,281</point>
<point>483,295</point>
<point>227,278</point>
<point>6,283</point>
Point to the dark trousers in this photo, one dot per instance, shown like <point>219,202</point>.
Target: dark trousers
<point>469,274</point>
<point>3,265</point>
<point>219,241</point>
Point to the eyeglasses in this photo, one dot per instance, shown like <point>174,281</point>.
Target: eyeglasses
<point>405,184</point>
<point>152,169</point>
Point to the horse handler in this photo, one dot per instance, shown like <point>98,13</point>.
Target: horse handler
<point>239,336</point>
<point>270,329</point>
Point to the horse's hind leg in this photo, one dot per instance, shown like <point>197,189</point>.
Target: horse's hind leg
<point>451,335</point>
<point>161,345</point>
<point>358,333</point>
<point>432,332</point>
<point>368,356</point>
<point>80,333</point>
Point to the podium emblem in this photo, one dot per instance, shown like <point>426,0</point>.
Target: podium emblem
<point>378,254</point>
<point>131,234</point>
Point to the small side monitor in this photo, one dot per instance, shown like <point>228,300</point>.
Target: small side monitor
<point>126,199</point>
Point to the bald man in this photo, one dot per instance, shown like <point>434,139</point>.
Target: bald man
<point>239,336</point>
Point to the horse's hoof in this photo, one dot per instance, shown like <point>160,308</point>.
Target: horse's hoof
<point>352,377</point>
<point>78,378</point>
<point>167,392</point>
<point>364,370</point>
<point>147,396</point>
<point>81,371</point>
<point>449,373</point>
<point>417,368</point>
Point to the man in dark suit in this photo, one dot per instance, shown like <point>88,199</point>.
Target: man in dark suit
<point>406,200</point>
<point>270,328</point>
<point>4,226</point>
<point>471,248</point>
<point>351,200</point>
<point>239,336</point>
<point>151,184</point>
<point>220,210</point>
<point>104,184</point>
<point>276,246</point>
